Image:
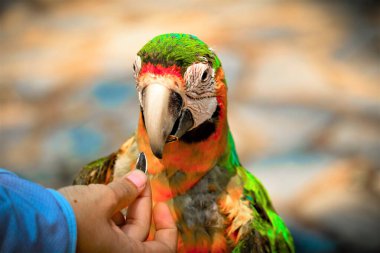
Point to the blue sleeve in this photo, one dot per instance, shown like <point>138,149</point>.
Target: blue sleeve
<point>34,219</point>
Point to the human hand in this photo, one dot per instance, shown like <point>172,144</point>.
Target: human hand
<point>102,227</point>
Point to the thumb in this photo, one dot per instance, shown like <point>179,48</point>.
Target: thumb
<point>126,189</point>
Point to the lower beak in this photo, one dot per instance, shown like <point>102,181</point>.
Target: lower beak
<point>164,116</point>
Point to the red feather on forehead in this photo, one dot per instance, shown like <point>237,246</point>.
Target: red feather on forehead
<point>161,70</point>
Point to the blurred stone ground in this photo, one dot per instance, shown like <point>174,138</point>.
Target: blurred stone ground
<point>304,97</point>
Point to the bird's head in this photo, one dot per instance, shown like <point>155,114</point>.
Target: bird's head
<point>177,80</point>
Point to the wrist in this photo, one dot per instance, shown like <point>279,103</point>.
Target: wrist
<point>69,216</point>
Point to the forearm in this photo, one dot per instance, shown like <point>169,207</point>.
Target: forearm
<point>34,219</point>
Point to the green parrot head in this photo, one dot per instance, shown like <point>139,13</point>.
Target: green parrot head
<point>179,92</point>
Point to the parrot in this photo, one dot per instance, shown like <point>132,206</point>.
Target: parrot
<point>192,163</point>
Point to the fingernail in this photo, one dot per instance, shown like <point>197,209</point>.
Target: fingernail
<point>138,178</point>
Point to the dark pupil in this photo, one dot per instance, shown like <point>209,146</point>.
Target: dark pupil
<point>204,75</point>
<point>134,67</point>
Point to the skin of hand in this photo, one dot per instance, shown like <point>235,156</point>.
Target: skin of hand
<point>102,227</point>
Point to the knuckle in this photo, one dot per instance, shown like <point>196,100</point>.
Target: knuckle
<point>121,190</point>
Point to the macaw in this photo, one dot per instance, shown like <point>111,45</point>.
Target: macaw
<point>218,205</point>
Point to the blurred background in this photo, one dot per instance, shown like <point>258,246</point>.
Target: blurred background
<point>304,97</point>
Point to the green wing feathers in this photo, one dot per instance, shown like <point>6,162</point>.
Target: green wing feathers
<point>269,232</point>
<point>115,165</point>
<point>97,172</point>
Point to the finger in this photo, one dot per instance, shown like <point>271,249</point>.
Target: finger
<point>125,190</point>
<point>119,219</point>
<point>139,216</point>
<point>166,229</point>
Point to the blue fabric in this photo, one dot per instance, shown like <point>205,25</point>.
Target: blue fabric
<point>34,219</point>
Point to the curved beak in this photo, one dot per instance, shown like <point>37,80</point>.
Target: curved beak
<point>164,116</point>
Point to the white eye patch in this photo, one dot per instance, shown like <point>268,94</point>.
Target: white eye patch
<point>201,109</point>
<point>199,79</point>
<point>136,66</point>
<point>200,92</point>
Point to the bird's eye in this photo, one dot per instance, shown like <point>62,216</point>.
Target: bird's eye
<point>204,75</point>
<point>198,75</point>
<point>137,66</point>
